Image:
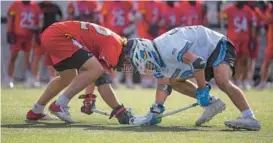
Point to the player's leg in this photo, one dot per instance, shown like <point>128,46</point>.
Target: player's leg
<point>11,65</point>
<point>147,81</point>
<point>189,88</point>
<point>54,87</point>
<point>129,80</point>
<point>238,64</point>
<point>90,70</point>
<point>38,53</point>
<point>266,66</point>
<point>222,74</point>
<point>14,50</point>
<point>26,47</point>
<point>90,89</point>
<point>28,75</point>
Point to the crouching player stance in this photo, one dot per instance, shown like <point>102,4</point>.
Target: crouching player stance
<point>186,52</point>
<point>89,48</point>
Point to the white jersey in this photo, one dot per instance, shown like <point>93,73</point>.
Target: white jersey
<point>174,43</point>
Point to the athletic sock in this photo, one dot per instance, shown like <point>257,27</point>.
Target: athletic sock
<point>247,113</point>
<point>38,108</point>
<point>62,100</point>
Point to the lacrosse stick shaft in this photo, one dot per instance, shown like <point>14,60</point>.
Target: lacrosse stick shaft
<point>179,110</point>
<point>101,112</point>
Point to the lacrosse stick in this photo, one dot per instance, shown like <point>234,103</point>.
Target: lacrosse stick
<point>179,110</point>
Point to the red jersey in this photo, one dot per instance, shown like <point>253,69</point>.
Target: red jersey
<point>116,15</point>
<point>239,22</point>
<point>171,16</point>
<point>104,44</point>
<point>81,9</point>
<point>192,14</point>
<point>152,13</point>
<point>25,18</point>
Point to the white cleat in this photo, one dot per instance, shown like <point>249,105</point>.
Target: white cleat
<point>247,123</point>
<point>61,112</point>
<point>217,106</point>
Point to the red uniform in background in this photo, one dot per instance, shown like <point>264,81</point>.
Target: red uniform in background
<point>269,19</point>
<point>24,20</point>
<point>151,12</point>
<point>193,14</point>
<point>239,27</point>
<point>83,10</point>
<point>171,16</point>
<point>116,15</point>
<point>61,40</point>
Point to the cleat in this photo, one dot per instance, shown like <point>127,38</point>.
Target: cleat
<point>216,107</point>
<point>31,116</point>
<point>246,85</point>
<point>247,123</point>
<point>61,112</point>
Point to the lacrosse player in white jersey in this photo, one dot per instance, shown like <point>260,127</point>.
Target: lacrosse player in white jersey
<point>191,52</point>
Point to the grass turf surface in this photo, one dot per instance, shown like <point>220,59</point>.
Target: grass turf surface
<point>99,129</point>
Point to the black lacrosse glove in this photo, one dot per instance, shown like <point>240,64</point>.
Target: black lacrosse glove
<point>88,103</point>
<point>122,114</point>
<point>153,30</point>
<point>11,38</point>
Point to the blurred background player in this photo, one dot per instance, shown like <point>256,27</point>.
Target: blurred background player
<point>241,31</point>
<point>268,18</point>
<point>171,15</point>
<point>119,17</point>
<point>193,13</point>
<point>83,10</point>
<point>24,23</point>
<point>151,13</point>
<point>52,13</point>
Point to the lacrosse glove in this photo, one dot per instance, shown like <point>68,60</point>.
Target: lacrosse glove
<point>122,114</point>
<point>88,103</point>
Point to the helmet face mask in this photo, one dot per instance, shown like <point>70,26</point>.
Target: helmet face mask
<point>143,56</point>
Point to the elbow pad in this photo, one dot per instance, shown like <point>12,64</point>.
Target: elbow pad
<point>198,64</point>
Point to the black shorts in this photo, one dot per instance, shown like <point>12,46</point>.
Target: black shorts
<point>74,62</point>
<point>223,53</point>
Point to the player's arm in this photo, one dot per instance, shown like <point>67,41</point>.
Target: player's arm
<point>163,90</point>
<point>198,66</point>
<point>11,37</point>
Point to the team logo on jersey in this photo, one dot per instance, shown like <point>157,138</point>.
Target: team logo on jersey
<point>174,51</point>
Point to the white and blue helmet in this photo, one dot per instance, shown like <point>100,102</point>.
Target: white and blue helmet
<point>143,55</point>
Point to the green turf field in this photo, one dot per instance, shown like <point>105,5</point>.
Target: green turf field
<point>99,129</point>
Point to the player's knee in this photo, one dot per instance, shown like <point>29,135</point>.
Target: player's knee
<point>222,83</point>
<point>103,79</point>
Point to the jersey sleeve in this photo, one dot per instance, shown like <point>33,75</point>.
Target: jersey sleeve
<point>12,9</point>
<point>11,14</point>
<point>224,14</point>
